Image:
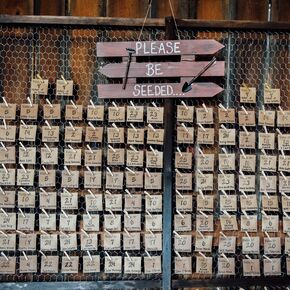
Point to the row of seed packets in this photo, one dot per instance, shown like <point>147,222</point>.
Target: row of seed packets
<point>72,264</point>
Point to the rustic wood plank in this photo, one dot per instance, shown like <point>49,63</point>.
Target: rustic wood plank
<point>149,48</point>
<point>280,10</point>
<point>211,9</point>
<point>164,69</point>
<point>16,7</point>
<point>169,90</point>
<point>88,8</point>
<point>180,8</point>
<point>52,7</point>
<point>251,10</point>
<point>128,8</point>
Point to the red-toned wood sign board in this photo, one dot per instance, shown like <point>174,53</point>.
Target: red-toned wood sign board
<point>160,69</point>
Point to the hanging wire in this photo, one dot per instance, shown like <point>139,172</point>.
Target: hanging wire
<point>145,18</point>
<point>172,13</point>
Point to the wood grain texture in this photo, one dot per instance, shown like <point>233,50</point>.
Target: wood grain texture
<point>52,7</point>
<point>211,9</point>
<point>16,7</point>
<point>90,8</point>
<point>252,10</point>
<point>128,8</point>
<point>280,10</point>
<point>181,8</point>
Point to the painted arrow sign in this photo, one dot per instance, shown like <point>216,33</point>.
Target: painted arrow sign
<point>168,90</point>
<point>163,69</point>
<point>158,48</point>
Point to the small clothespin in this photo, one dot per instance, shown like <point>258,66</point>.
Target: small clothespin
<point>286,215</point>
<point>224,127</point>
<point>5,102</point>
<point>107,232</point>
<point>48,125</point>
<point>45,212</point>
<point>20,233</point>
<point>205,108</point>
<point>67,170</point>
<point>225,257</point>
<point>281,110</point>
<point>264,213</point>
<point>29,101</point>
<point>89,169</point>
<point>111,213</point>
<point>222,172</point>
<point>4,124</point>
<point>23,168</point>
<point>115,105</point>
<point>154,105</point>
<point>91,193</point>
<point>109,170</point>
<point>47,148</point>
<point>44,191</point>
<point>73,104</point>
<point>22,213</point>
<point>223,235</point>
<point>115,127</point>
<point>178,172</point>
<point>2,191</point>
<point>153,150</point>
<point>184,127</point>
<point>200,173</point>
<point>200,233</point>
<point>177,234</point>
<point>283,175</point>
<point>64,213</point>
<point>147,253</point>
<point>278,131</point>
<point>92,125</point>
<point>241,173</point>
<point>244,109</point>
<point>127,233</point>
<point>283,154</point>
<point>225,194</point>
<point>148,213</point>
<point>130,170</point>
<point>184,105</point>
<point>248,236</point>
<point>201,193</point>
<point>245,214</point>
<point>44,232</point>
<point>285,195</point>
<point>129,193</point>
<point>90,149</point>
<point>126,214</point>
<point>25,257</point>
<point>179,151</point>
<point>203,255</point>
<point>178,192</point>
<point>6,258</point>
<point>90,256</point>
<point>89,215</point>
<point>26,191</point>
<point>243,153</point>
<point>62,77</point>
<point>42,254</point>
<point>265,129</point>
<point>133,127</point>
<point>151,127</point>
<point>109,257</point>
<point>147,172</point>
<point>178,255</point>
<point>4,147</point>
<point>71,148</point>
<point>108,192</point>
<point>133,105</point>
<point>266,257</point>
<point>23,123</point>
<point>67,192</point>
<point>248,257</point>
<point>201,152</point>
<point>22,146</point>
<point>267,87</point>
<point>245,86</point>
<point>4,167</point>
<point>223,108</point>
<point>72,126</point>
<point>202,213</point>
<point>246,131</point>
<point>87,235</point>
<point>45,170</point>
<point>200,125</point>
<point>180,214</point>
<point>133,148</point>
<point>67,255</point>
<point>92,103</point>
<point>49,103</point>
<point>226,213</point>
<point>265,176</point>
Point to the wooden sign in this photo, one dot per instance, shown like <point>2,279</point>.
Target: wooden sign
<point>131,68</point>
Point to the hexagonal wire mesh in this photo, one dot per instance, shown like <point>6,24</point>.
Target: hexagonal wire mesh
<point>254,58</point>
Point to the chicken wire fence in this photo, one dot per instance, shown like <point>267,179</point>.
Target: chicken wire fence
<point>253,58</point>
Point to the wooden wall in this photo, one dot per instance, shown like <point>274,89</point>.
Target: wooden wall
<point>199,9</point>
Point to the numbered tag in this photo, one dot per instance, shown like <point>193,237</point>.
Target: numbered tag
<point>49,264</point>
<point>92,179</point>
<point>251,267</point>
<point>247,140</point>
<point>70,265</point>
<point>286,224</point>
<point>28,111</point>
<point>205,202</point>
<point>116,157</point>
<point>248,163</point>
<point>268,184</point>
<point>153,203</point>
<point>91,264</point>
<point>47,223</point>
<point>152,265</point>
<point>49,157</point>
<point>72,157</point>
<point>285,203</point>
<point>226,266</point>
<point>91,222</point>
<point>50,134</point>
<point>226,181</point>
<point>93,158</point>
<point>7,200</point>
<point>8,156</point>
<point>7,267</point>
<point>29,265</point>
<point>283,118</point>
<point>134,158</point>
<point>183,181</point>
<point>270,223</point>
<point>272,246</point>
<point>115,181</point>
<point>247,119</point>
<point>135,136</point>
<point>284,142</point>
<point>154,159</point>
<point>26,200</point>
<point>94,203</point>
<point>48,242</point>
<point>25,177</point>
<point>272,96</point>
<point>182,243</point>
<point>153,242</point>
<point>112,241</point>
<point>204,116</point>
<point>270,203</point>
<point>226,116</point>
<point>247,183</point>
<point>133,202</point>
<point>183,161</point>
<point>131,242</point>
<point>113,264</point>
<point>26,223</point>
<point>95,113</point>
<point>182,223</point>
<point>284,183</point>
<point>267,141</point>
<point>27,155</point>
<point>251,246</point>
<point>204,181</point>
<point>227,245</point>
<point>155,115</point>
<point>113,202</point>
<point>249,223</point>
<point>205,136</point>
<point>154,181</point>
<point>46,178</point>
<point>27,133</point>
<point>183,203</point>
<point>228,203</point>
<point>74,112</point>
<point>204,224</point>
<point>64,88</point>
<point>155,137</point>
<point>227,137</point>
<point>287,248</point>
<point>39,87</point>
<point>273,267</point>
<point>27,242</point>
<point>267,118</point>
<point>89,242</point>
<point>229,223</point>
<point>73,135</point>
<point>205,162</point>
<point>51,112</point>
<point>69,200</point>
<point>94,134</point>
<point>7,178</point>
<point>203,244</point>
<point>7,134</point>
<point>116,114</point>
<point>115,135</point>
<point>185,114</point>
<point>247,95</point>
<point>284,163</point>
<point>8,242</point>
<point>132,265</point>
<point>7,112</point>
<point>153,223</point>
<point>47,200</point>
<point>68,222</point>
<point>249,203</point>
<point>204,265</point>
<point>135,114</point>
<point>70,180</point>
<point>185,135</point>
<point>68,242</point>
<point>112,222</point>
<point>268,163</point>
<point>227,161</point>
<point>183,265</point>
